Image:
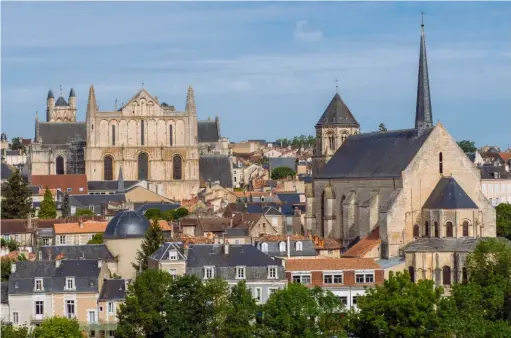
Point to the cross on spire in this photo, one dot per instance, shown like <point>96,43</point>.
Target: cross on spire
<point>60,90</point>
<point>422,19</point>
<point>337,85</point>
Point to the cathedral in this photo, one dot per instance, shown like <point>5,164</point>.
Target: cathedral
<point>145,138</point>
<point>403,186</point>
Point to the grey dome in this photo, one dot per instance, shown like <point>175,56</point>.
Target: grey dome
<point>127,224</point>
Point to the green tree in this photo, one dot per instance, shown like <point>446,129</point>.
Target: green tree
<point>382,127</point>
<point>240,314</point>
<point>399,308</point>
<point>180,212</point>
<point>58,327</point>
<point>142,312</point>
<point>4,243</point>
<point>9,331</point>
<point>168,215</point>
<point>17,201</point>
<point>467,146</point>
<point>151,242</point>
<point>17,145</point>
<point>153,214</point>
<point>84,212</point>
<point>48,208</point>
<point>96,239</point>
<point>504,220</point>
<point>12,245</point>
<point>280,173</point>
<point>311,140</point>
<point>66,208</point>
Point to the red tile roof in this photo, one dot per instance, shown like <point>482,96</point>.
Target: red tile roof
<point>62,182</point>
<point>365,245</point>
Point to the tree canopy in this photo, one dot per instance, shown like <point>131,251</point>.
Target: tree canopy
<point>504,220</point>
<point>151,242</point>
<point>17,201</point>
<point>169,215</point>
<point>58,327</point>
<point>66,208</point>
<point>16,144</point>
<point>84,212</point>
<point>96,239</point>
<point>296,142</point>
<point>382,127</point>
<point>48,207</point>
<point>280,173</point>
<point>467,146</point>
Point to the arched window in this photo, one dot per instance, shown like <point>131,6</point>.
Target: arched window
<point>448,229</point>
<point>59,170</point>
<point>171,134</point>
<point>108,171</point>
<point>440,163</point>
<point>446,275</point>
<point>416,231</point>
<point>264,247</point>
<point>143,166</point>
<point>177,167</point>
<point>282,246</point>
<point>465,229</point>
<point>299,246</point>
<point>113,135</point>
<point>437,230</point>
<point>331,142</point>
<point>427,230</point>
<point>142,129</point>
<point>343,138</point>
<point>411,271</point>
<point>464,273</point>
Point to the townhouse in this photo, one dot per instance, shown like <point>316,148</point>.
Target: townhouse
<point>78,232</point>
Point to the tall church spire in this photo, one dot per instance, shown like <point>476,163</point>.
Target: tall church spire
<point>423,114</point>
<point>91,102</point>
<point>190,102</point>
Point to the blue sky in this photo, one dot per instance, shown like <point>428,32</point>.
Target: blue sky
<point>267,70</point>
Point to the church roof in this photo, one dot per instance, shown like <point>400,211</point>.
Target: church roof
<point>207,131</point>
<point>423,114</point>
<point>464,244</point>
<point>374,155</point>
<point>61,102</point>
<point>448,194</point>
<point>215,168</point>
<point>337,113</point>
<point>62,132</point>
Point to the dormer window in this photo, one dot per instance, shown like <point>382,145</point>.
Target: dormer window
<point>299,246</point>
<point>70,283</point>
<point>209,272</point>
<point>282,246</point>
<point>173,255</point>
<point>264,247</point>
<point>38,285</point>
<point>240,272</point>
<point>272,272</point>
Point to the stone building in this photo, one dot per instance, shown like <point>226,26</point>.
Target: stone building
<point>403,182</point>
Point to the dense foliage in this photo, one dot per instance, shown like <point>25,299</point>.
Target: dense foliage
<point>467,146</point>
<point>96,239</point>
<point>296,142</point>
<point>280,173</point>
<point>58,327</point>
<point>504,220</point>
<point>66,208</point>
<point>151,242</point>
<point>17,201</point>
<point>16,144</point>
<point>6,263</point>
<point>169,215</point>
<point>382,127</point>
<point>48,207</point>
<point>84,212</point>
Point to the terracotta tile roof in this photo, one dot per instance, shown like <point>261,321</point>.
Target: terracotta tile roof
<point>319,264</point>
<point>19,225</point>
<point>74,228</point>
<point>280,238</point>
<point>193,240</point>
<point>75,182</point>
<point>365,245</point>
<point>164,225</point>
<point>245,220</point>
<point>326,243</point>
<point>505,156</point>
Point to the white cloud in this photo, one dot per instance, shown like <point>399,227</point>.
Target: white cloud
<point>304,33</point>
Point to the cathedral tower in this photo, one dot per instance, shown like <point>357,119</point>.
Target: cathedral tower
<point>61,110</point>
<point>423,113</point>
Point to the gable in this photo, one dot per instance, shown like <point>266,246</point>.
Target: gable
<point>141,104</point>
<point>140,195</point>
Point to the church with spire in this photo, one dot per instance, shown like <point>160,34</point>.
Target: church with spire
<point>397,193</point>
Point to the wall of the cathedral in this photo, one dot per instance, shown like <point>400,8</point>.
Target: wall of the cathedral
<point>61,113</point>
<point>42,159</point>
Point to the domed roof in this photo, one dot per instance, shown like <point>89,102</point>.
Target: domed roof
<point>127,224</point>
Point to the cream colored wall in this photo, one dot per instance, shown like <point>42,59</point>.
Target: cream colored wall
<point>396,268</point>
<point>259,229</point>
<point>106,317</point>
<point>180,266</point>
<point>140,195</point>
<point>333,254</point>
<point>125,250</point>
<point>497,190</point>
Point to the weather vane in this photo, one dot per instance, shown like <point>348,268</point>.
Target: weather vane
<point>60,90</point>
<point>422,19</point>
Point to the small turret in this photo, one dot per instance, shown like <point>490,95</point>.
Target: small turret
<point>190,102</point>
<point>50,104</point>
<point>72,98</point>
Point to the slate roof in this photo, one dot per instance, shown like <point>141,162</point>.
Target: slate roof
<point>389,263</point>
<point>83,201</point>
<point>207,131</point>
<point>61,102</point>
<point>88,251</point>
<point>7,171</point>
<point>62,132</point>
<point>274,248</point>
<point>494,172</point>
<point>448,194</point>
<point>85,272</point>
<point>127,224</point>
<point>289,162</point>
<point>4,293</point>
<point>337,113</point>
<point>109,185</point>
<point>236,232</point>
<point>214,224</point>
<point>200,255</point>
<point>374,155</point>
<point>160,206</point>
<point>215,168</point>
<point>113,289</point>
<point>163,251</point>
<point>464,244</point>
<point>289,198</point>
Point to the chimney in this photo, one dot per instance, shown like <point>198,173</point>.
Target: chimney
<point>13,267</point>
<point>226,247</point>
<point>29,221</point>
<point>288,247</point>
<point>126,283</point>
<point>57,262</point>
<point>100,263</point>
<point>80,223</point>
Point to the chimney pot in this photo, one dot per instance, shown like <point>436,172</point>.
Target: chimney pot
<point>13,267</point>
<point>100,263</point>
<point>57,263</point>
<point>226,247</point>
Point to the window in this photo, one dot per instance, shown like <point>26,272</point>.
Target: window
<point>80,189</point>
<point>113,135</point>
<point>465,229</point>
<point>411,272</point>
<point>343,300</point>
<point>171,136</point>
<point>343,138</point>
<point>91,207</point>
<point>354,300</point>
<point>62,239</point>
<point>173,272</point>
<point>70,308</point>
<point>15,318</point>
<point>39,307</point>
<point>282,246</point>
<point>240,272</point>
<point>464,274</point>
<point>264,247</point>
<point>426,226</point>
<point>111,333</point>
<point>177,170</point>
<point>108,171</point>
<point>271,291</point>
<point>448,229</point>
<point>362,277</point>
<point>143,166</point>
<point>302,278</point>
<point>299,246</point>
<point>142,132</point>
<point>272,272</point>
<point>92,316</point>
<point>437,230</point>
<point>111,307</point>
<point>59,167</point>
<point>258,294</point>
<point>237,241</point>
<point>446,275</point>
<point>70,283</point>
<point>38,284</point>
<point>173,255</point>
<point>440,163</point>
<point>69,189</point>
<point>209,273</point>
<point>416,231</point>
<point>332,278</point>
<point>331,142</point>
